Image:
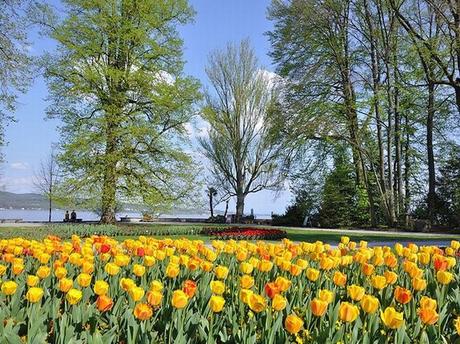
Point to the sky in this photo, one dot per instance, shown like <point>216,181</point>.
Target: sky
<point>216,23</point>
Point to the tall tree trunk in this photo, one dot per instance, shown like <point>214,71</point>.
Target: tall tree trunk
<point>406,171</point>
<point>110,178</point>
<point>50,207</point>
<point>430,153</point>
<point>239,207</point>
<point>211,208</point>
<point>397,132</point>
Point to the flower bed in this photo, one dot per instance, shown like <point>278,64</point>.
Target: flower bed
<point>101,290</point>
<point>245,233</point>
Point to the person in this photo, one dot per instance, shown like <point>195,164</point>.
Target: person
<point>66,216</point>
<point>73,216</point>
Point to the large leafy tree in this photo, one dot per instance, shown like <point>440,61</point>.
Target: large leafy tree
<point>118,87</point>
<point>243,148</point>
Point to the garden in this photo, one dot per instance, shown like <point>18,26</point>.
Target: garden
<point>98,289</point>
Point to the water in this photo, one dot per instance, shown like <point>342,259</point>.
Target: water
<point>58,215</point>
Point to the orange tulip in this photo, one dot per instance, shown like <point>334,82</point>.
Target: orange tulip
<point>402,295</point>
<point>293,324</point>
<point>318,307</point>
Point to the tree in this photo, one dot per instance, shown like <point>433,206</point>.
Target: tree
<point>47,178</point>
<point>117,85</point>
<point>243,148</point>
<point>211,193</point>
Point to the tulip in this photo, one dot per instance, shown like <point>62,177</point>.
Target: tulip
<point>74,296</point>
<point>17,268</point>
<point>326,295</point>
<point>127,284</point>
<point>101,287</point>
<point>402,295</point>
<point>282,283</point>
<point>136,293</point>
<point>367,269</point>
<point>9,287</point>
<point>265,265</point>
<point>271,289</point>
<point>318,307</point>
<point>444,277</point>
<point>246,281</point>
<point>217,287</point>
<point>65,284</point>
<point>216,303</point>
<point>279,302</point>
<point>428,316</point>
<point>43,271</point>
<point>245,294</point>
<point>154,297</point>
<point>104,303</point>
<point>246,268</point>
<point>189,288</point>
<point>391,318</point>
<point>312,274</point>
<point>339,279</point>
<point>84,280</point>
<point>379,282</point>
<point>172,270</point>
<point>32,280</point>
<point>355,292</point>
<point>143,311</point>
<point>221,272</point>
<point>138,270</point>
<point>426,302</point>
<point>390,276</point>
<point>257,303</point>
<point>369,304</point>
<point>60,272</point>
<point>293,324</point>
<point>179,299</point>
<point>112,269</point>
<point>34,295</point>
<point>156,286</point>
<point>418,284</point>
<point>348,312</point>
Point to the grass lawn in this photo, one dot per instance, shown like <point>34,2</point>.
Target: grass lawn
<point>191,231</point>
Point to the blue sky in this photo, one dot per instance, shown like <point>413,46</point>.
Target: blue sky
<point>216,23</point>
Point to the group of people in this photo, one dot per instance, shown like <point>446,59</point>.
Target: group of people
<point>70,218</point>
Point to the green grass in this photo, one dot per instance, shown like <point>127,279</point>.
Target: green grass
<point>176,231</point>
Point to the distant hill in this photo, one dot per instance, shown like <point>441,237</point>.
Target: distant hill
<point>10,200</point>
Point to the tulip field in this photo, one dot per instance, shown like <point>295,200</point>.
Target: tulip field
<point>100,290</point>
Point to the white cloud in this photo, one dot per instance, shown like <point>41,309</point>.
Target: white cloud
<point>17,184</point>
<point>19,165</point>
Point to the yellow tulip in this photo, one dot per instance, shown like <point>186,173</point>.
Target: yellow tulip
<point>257,303</point>
<point>172,270</point>
<point>444,277</point>
<point>179,299</point>
<point>246,282</point>
<point>60,272</point>
<point>245,294</point>
<point>391,318</point>
<point>221,272</point>
<point>74,296</point>
<point>318,307</point>
<point>246,268</point>
<point>34,295</point>
<point>326,295</point>
<point>312,274</point>
<point>348,312</point>
<point>339,279</point>
<point>379,282</point>
<point>32,280</point>
<point>369,304</point>
<point>216,303</point>
<point>293,324</point>
<point>355,292</point>
<point>217,287</point>
<point>279,302</point>
<point>154,297</point>
<point>101,287</point>
<point>156,286</point>
<point>84,280</point>
<point>427,302</point>
<point>111,269</point>
<point>143,311</point>
<point>457,325</point>
<point>136,293</point>
<point>138,270</point>
<point>43,271</point>
<point>418,284</point>
<point>9,287</point>
<point>65,284</point>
